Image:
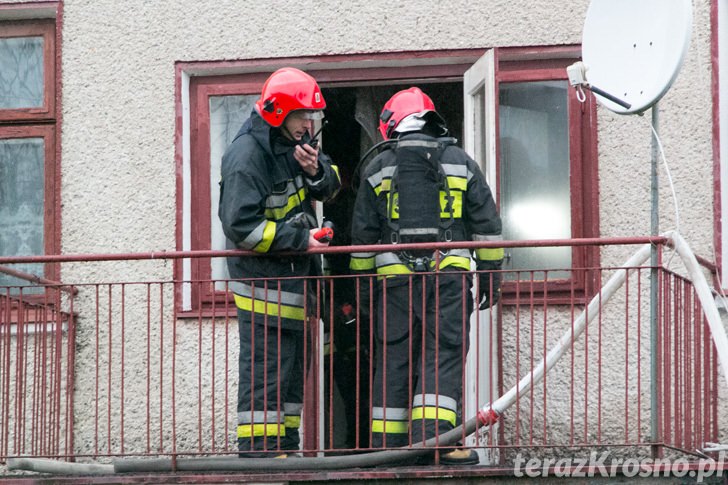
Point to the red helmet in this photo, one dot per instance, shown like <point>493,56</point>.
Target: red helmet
<point>289,89</point>
<point>403,104</point>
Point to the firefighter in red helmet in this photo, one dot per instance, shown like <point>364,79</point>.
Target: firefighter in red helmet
<point>269,175</point>
<point>422,189</point>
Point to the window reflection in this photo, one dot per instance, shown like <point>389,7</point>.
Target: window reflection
<point>21,204</point>
<point>21,75</point>
<point>227,114</point>
<point>535,170</point>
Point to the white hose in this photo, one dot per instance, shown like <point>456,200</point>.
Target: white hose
<point>707,302</point>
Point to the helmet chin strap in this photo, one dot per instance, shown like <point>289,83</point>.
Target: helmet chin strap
<point>287,133</point>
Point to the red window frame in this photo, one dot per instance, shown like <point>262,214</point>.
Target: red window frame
<point>51,185</point>
<point>35,28</point>
<point>513,64</point>
<point>43,121</point>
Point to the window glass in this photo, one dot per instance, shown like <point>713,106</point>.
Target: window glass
<point>535,185</point>
<point>21,203</point>
<point>227,114</point>
<point>21,76</point>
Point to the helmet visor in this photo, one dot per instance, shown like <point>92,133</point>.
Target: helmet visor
<point>308,114</point>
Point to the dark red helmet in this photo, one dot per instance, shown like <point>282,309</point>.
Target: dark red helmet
<point>289,89</point>
<point>403,104</point>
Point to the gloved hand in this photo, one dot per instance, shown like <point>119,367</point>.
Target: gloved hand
<point>490,289</point>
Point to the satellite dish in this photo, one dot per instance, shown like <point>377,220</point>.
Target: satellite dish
<point>633,50</point>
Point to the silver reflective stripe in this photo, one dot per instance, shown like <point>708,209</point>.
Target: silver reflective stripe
<point>312,183</point>
<point>270,295</point>
<point>363,255</point>
<point>418,231</point>
<point>292,408</point>
<point>281,200</point>
<point>393,414</point>
<point>418,143</point>
<point>465,253</point>
<point>457,170</point>
<point>254,237</point>
<point>259,417</point>
<point>435,400</point>
<point>386,259</point>
<point>484,237</point>
<point>377,178</point>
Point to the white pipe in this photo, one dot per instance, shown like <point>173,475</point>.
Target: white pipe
<point>707,303</point>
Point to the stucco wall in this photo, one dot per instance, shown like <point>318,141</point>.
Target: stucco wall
<point>118,104</point>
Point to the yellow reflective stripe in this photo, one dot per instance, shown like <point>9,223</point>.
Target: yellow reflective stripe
<point>383,186</point>
<point>292,421</point>
<point>455,261</point>
<point>268,308</point>
<point>278,213</point>
<point>457,183</point>
<point>336,171</point>
<point>268,234</point>
<point>249,430</point>
<point>361,264</point>
<point>432,413</point>
<point>393,269</point>
<point>392,427</point>
<point>395,205</point>
<point>489,254</point>
<point>455,204</point>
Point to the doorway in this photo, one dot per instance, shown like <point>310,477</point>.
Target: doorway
<point>352,129</point>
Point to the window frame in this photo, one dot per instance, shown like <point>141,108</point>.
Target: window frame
<point>533,65</point>
<point>197,81</point>
<point>40,19</point>
<point>51,186</point>
<point>45,28</point>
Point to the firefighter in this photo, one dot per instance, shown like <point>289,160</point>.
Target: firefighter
<point>422,188</point>
<point>270,173</point>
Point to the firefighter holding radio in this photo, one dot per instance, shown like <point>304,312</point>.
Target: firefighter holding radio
<point>422,188</point>
<point>270,173</point>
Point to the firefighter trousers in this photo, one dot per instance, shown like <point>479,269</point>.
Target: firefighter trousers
<point>270,389</point>
<point>423,325</point>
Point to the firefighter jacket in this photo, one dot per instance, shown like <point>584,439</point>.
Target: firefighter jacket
<point>467,209</point>
<point>265,206</point>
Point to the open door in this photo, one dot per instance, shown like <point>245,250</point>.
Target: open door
<point>479,141</point>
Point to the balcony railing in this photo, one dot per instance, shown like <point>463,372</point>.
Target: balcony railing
<point>105,369</point>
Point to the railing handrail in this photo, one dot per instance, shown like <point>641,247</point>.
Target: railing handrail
<point>31,278</point>
<point>85,257</point>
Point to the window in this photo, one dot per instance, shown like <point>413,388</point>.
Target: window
<point>532,96</point>
<point>548,173</point>
<point>29,192</point>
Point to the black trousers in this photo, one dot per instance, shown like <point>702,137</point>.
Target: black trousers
<point>270,389</point>
<point>421,344</point>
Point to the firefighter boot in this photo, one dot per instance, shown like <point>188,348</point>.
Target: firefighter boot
<point>459,457</point>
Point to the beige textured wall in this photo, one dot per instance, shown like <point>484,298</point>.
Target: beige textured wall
<point>118,138</point>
